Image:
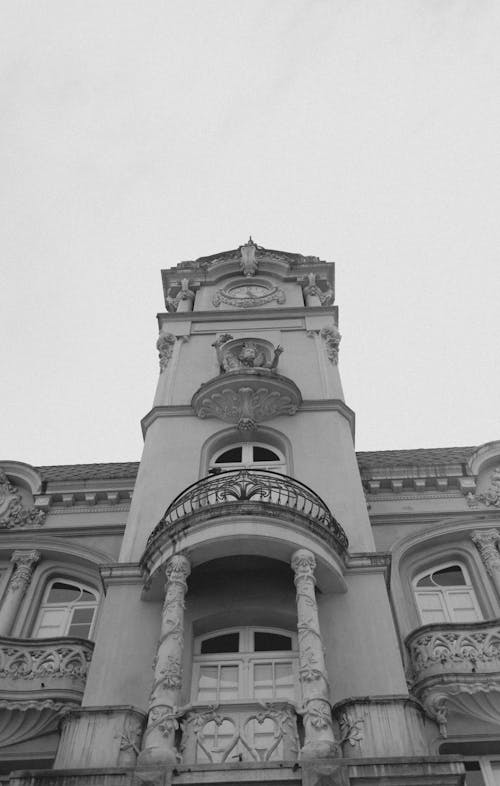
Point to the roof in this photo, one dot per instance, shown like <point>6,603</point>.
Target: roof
<point>367,460</point>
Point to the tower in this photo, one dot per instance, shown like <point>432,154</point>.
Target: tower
<point>246,631</point>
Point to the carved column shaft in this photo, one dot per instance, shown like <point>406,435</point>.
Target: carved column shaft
<point>159,737</point>
<point>19,581</point>
<point>319,736</point>
<point>486,542</point>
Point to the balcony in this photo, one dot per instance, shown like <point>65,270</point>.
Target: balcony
<point>40,679</point>
<point>456,666</point>
<point>240,732</point>
<point>252,493</point>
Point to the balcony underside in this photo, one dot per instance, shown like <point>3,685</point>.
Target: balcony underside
<point>40,680</point>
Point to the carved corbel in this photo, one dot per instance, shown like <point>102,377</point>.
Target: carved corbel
<point>332,338</point>
<point>165,346</point>
<point>184,294</point>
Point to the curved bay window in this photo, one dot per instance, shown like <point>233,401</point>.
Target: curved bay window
<point>68,609</point>
<point>245,664</point>
<point>446,594</point>
<point>251,455</point>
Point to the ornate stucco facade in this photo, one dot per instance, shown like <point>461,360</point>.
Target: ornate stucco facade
<point>253,601</point>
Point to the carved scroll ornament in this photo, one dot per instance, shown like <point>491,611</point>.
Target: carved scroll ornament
<point>165,346</point>
<point>12,511</point>
<point>331,337</point>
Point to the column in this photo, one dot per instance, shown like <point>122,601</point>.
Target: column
<point>319,737</point>
<point>159,737</point>
<point>19,581</point>
<point>486,542</point>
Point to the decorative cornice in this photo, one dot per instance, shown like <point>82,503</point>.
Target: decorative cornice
<point>230,315</point>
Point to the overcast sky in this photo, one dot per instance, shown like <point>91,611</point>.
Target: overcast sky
<point>137,134</point>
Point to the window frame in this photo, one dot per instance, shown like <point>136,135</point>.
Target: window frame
<point>247,462</point>
<point>245,660</point>
<point>445,591</point>
<point>69,606</point>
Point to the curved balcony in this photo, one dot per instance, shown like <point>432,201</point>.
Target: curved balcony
<point>40,679</point>
<point>456,666</point>
<point>244,492</point>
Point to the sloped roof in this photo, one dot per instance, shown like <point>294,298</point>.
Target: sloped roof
<point>367,460</point>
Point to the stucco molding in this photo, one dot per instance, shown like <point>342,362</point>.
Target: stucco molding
<point>121,573</point>
<point>13,512</point>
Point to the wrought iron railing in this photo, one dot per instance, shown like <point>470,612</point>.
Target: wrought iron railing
<point>263,490</point>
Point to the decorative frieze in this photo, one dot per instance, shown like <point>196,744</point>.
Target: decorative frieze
<point>13,513</point>
<point>319,737</point>
<point>64,660</point>
<point>159,737</point>
<point>165,346</point>
<point>453,648</point>
<point>331,338</point>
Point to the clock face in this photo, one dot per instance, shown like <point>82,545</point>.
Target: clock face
<point>244,291</point>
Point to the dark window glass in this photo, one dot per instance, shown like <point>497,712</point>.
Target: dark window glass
<point>227,642</point>
<point>449,577</point>
<point>229,456</point>
<point>473,774</point>
<point>270,642</point>
<point>264,454</point>
<point>425,581</point>
<point>63,593</point>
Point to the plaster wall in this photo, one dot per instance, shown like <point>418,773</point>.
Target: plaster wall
<point>126,640</point>
<point>362,652</point>
<point>323,458</point>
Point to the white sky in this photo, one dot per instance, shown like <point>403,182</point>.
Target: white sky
<point>137,134</point>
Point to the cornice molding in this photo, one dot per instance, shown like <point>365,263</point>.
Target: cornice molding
<point>120,573</point>
<point>250,315</point>
<point>309,405</point>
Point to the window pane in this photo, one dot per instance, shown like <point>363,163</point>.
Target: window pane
<point>82,615</point>
<point>264,454</point>
<point>269,642</point>
<point>473,775</point>
<point>431,605</point>
<point>52,623</point>
<point>228,642</point>
<point>87,597</point>
<point>229,687</point>
<point>263,681</point>
<point>449,577</point>
<point>229,456</point>
<point>461,606</point>
<point>284,682</point>
<point>81,631</point>
<point>207,683</point>
<point>425,581</point>
<point>63,593</point>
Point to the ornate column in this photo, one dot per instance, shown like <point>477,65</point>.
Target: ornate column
<point>319,737</point>
<point>159,737</point>
<point>486,542</point>
<point>24,562</point>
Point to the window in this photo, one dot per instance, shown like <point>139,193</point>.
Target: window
<point>68,609</point>
<point>445,594</point>
<point>245,663</point>
<point>248,454</point>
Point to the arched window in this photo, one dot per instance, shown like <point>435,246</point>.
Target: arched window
<point>248,454</point>
<point>68,609</point>
<point>446,594</point>
<point>245,663</point>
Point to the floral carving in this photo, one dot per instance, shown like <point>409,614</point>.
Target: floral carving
<point>331,337</point>
<point>487,545</point>
<point>455,648</point>
<point>165,347</point>
<point>39,661</point>
<point>247,405</point>
<point>12,511</point>
<point>490,497</point>
<point>350,729</point>
<point>24,562</point>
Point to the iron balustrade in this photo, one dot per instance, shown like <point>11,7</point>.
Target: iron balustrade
<point>263,490</point>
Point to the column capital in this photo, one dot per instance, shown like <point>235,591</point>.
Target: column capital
<point>303,564</point>
<point>24,562</point>
<point>177,569</point>
<point>486,542</point>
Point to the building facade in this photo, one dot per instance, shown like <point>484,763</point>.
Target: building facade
<point>253,601</point>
